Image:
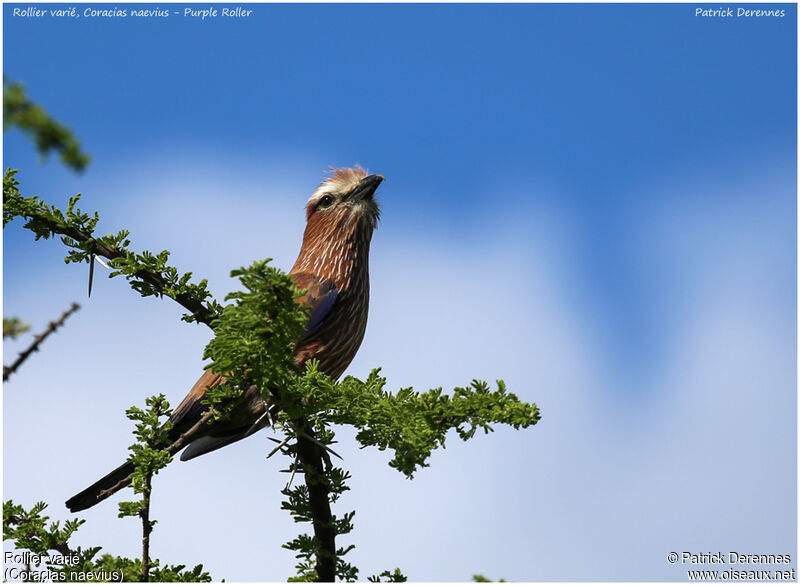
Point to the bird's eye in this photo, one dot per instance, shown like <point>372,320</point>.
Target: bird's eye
<point>325,202</point>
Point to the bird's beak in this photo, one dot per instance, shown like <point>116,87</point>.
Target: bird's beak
<point>366,188</point>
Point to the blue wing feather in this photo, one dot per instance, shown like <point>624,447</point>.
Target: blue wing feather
<point>320,297</point>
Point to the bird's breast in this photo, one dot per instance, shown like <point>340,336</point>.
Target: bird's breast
<point>336,342</point>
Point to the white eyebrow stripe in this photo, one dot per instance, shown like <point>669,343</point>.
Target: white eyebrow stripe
<point>319,194</point>
<point>334,186</point>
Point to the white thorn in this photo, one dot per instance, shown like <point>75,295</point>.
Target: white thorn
<point>291,477</point>
<point>101,262</point>
<point>278,448</point>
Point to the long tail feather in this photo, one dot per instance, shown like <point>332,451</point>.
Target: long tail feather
<point>117,479</point>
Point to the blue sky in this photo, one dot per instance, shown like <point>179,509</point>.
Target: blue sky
<point>596,203</point>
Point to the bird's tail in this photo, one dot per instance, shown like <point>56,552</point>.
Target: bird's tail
<point>102,488</point>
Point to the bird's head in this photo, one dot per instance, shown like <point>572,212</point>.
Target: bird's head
<point>341,216</point>
<point>344,204</point>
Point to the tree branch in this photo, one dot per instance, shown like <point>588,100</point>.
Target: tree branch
<point>37,341</point>
<point>173,448</point>
<point>147,528</point>
<point>310,456</point>
<point>47,133</point>
<point>200,311</point>
<point>147,273</point>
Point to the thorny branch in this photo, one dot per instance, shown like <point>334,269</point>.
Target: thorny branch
<point>199,310</point>
<point>324,531</point>
<point>37,341</point>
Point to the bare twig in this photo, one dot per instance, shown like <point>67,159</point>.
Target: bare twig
<point>37,341</point>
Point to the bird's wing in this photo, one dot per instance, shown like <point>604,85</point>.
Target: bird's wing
<point>320,297</point>
<point>189,410</point>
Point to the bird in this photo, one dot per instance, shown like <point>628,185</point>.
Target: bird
<point>333,268</point>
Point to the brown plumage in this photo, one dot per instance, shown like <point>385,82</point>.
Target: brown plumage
<point>333,267</point>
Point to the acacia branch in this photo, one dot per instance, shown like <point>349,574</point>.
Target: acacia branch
<point>200,311</point>
<point>173,448</point>
<point>16,527</point>
<point>188,436</point>
<point>47,133</point>
<point>310,456</point>
<point>37,341</point>
<point>147,528</point>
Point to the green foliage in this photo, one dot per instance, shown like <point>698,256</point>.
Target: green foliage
<point>478,578</point>
<point>253,344</point>
<point>413,424</point>
<point>30,530</point>
<point>47,133</point>
<point>410,423</point>
<point>45,220</point>
<point>169,283</point>
<point>254,335</point>
<point>132,568</point>
<point>389,577</point>
<point>13,326</point>
<point>45,546</point>
<point>113,568</point>
<point>147,273</point>
<point>147,453</point>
